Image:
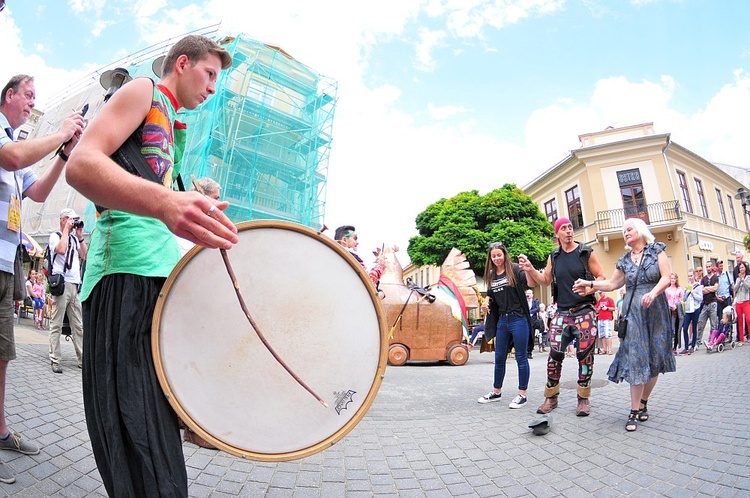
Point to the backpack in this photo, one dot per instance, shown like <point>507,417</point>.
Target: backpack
<point>47,259</point>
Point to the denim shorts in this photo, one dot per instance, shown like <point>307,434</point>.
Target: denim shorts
<point>605,329</point>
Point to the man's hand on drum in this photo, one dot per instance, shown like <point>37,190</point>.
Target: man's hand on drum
<point>201,220</point>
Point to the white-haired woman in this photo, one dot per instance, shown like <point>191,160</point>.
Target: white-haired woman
<point>646,350</point>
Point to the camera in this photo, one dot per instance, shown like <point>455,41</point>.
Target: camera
<point>77,223</point>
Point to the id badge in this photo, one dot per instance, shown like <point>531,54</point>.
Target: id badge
<point>14,214</point>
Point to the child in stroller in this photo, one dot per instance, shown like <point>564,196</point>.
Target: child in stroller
<point>722,337</point>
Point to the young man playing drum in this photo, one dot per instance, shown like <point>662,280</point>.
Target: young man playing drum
<point>134,431</point>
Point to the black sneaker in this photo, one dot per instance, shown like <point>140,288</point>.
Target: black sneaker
<point>490,397</point>
<point>518,402</point>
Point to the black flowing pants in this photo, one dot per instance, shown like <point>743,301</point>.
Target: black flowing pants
<point>134,431</point>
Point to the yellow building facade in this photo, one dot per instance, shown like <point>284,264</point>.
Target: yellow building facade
<point>688,202</point>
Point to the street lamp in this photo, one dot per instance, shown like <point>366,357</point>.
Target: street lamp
<point>744,196</point>
<point>113,79</point>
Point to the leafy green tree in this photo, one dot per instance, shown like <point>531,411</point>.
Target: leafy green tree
<point>471,222</point>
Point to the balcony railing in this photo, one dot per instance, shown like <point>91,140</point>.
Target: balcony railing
<point>652,214</point>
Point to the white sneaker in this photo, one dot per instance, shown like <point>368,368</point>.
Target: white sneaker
<point>490,397</point>
<point>518,402</point>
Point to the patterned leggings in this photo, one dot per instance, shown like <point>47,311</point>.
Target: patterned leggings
<point>563,329</point>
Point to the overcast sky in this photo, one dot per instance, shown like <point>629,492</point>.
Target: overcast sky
<point>437,97</point>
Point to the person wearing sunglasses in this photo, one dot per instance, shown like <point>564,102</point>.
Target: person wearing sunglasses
<point>576,317</point>
<point>19,181</point>
<point>346,236</point>
<point>508,321</point>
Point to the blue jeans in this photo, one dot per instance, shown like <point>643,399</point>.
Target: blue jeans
<point>691,318</point>
<point>516,328</point>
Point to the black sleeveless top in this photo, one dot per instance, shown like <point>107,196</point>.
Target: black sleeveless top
<point>568,269</point>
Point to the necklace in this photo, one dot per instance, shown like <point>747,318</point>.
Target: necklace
<point>636,256</point>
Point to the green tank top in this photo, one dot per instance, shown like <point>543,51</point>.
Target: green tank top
<point>127,243</point>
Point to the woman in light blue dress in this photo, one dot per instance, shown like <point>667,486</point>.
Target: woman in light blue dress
<point>646,350</point>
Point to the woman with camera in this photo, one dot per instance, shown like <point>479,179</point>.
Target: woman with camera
<point>646,349</point>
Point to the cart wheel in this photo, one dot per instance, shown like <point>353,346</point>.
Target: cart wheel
<point>397,355</point>
<point>734,344</point>
<point>458,355</point>
<point>720,348</point>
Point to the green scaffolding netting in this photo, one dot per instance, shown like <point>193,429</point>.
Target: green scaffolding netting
<point>265,137</point>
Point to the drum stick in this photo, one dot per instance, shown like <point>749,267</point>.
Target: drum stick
<point>241,299</point>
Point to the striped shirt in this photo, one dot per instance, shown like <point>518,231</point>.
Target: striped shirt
<point>10,184</point>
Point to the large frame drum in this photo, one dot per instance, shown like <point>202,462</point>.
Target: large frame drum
<point>318,310</point>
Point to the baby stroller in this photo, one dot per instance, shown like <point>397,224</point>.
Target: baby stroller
<point>728,341</point>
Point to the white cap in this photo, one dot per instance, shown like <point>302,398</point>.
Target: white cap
<point>68,213</point>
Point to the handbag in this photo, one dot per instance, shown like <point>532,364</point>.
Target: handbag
<point>19,284</point>
<point>622,327</point>
<point>56,284</point>
<point>56,281</point>
<point>487,346</point>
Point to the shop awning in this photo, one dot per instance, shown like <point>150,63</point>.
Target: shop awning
<point>33,248</point>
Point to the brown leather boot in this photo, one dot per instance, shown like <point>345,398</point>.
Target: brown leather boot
<point>584,407</point>
<point>548,405</point>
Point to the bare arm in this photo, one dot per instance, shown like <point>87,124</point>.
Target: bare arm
<point>583,287</point>
<point>532,274</point>
<point>40,189</point>
<point>18,155</point>
<point>710,288</point>
<point>30,289</point>
<point>596,270</point>
<point>96,176</point>
<point>62,244</point>
<point>83,249</point>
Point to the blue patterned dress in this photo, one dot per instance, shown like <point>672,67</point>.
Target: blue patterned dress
<point>646,350</point>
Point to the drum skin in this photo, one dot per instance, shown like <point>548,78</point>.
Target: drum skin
<point>317,309</point>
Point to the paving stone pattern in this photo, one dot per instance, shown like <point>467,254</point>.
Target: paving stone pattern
<point>426,436</point>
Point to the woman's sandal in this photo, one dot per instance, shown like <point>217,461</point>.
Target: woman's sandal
<point>643,412</point>
<point>632,423</point>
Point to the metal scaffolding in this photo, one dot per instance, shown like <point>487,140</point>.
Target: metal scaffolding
<point>265,136</point>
